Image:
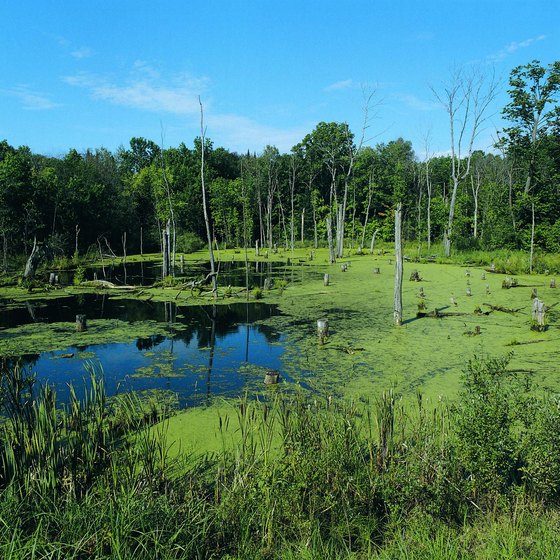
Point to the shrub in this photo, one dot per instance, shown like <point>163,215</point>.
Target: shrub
<point>189,243</point>
<point>486,420</point>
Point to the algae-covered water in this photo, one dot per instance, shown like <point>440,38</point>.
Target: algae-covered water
<point>164,338</point>
<point>197,352</point>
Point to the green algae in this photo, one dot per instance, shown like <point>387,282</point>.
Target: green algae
<point>46,337</point>
<point>425,354</point>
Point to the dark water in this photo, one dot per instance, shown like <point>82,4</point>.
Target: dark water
<point>146,273</point>
<point>209,351</point>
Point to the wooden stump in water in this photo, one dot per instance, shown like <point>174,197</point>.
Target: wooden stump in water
<point>267,283</point>
<point>326,278</point>
<point>538,312</point>
<point>415,276</point>
<point>376,270</point>
<point>271,377</point>
<point>552,283</point>
<point>322,329</point>
<point>81,323</point>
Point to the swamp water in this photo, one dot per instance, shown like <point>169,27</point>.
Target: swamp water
<point>199,352</point>
<point>146,273</point>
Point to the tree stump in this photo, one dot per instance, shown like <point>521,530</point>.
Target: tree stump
<point>271,377</point>
<point>552,283</point>
<point>534,293</point>
<point>267,284</point>
<point>344,267</point>
<point>52,278</point>
<point>376,270</point>
<point>538,312</point>
<point>322,329</point>
<point>81,323</point>
<point>326,278</point>
<point>415,276</point>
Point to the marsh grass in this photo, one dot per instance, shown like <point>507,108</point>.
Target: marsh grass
<point>300,478</point>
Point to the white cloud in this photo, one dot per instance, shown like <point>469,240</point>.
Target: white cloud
<point>82,52</point>
<point>343,84</point>
<point>144,90</point>
<point>31,100</point>
<point>419,104</point>
<point>513,47</point>
<point>240,133</point>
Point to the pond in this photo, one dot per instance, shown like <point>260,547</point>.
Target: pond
<point>230,273</point>
<point>204,351</point>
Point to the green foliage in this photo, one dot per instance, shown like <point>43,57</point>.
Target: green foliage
<point>486,422</point>
<point>258,293</point>
<point>79,275</point>
<point>189,243</point>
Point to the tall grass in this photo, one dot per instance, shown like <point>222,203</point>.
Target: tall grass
<point>306,478</point>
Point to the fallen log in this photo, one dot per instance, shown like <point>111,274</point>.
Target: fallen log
<point>502,309</point>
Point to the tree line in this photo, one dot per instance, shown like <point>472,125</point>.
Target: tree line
<point>329,189</point>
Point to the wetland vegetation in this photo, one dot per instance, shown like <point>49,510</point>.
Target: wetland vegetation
<point>135,418</point>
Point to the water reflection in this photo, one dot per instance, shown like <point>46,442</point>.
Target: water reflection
<point>210,350</point>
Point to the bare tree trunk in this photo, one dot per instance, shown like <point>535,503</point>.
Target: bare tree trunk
<point>465,100</point>
<point>475,188</point>
<point>76,247</point>
<point>397,303</point>
<point>370,196</point>
<point>532,237</point>
<point>165,251</point>
<point>37,255</point>
<point>332,257</point>
<point>204,203</point>
<point>302,224</point>
<point>292,196</point>
<point>373,241</point>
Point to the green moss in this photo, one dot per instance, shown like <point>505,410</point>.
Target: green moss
<point>43,337</point>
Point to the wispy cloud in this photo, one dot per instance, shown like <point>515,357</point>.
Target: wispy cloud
<point>343,84</point>
<point>82,52</point>
<point>145,90</point>
<point>513,47</point>
<point>418,104</point>
<point>30,100</point>
<point>241,133</point>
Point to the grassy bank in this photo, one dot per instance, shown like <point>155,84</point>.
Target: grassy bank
<point>293,478</point>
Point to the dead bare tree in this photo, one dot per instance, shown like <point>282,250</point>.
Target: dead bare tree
<point>397,302</point>
<point>204,202</point>
<point>465,98</point>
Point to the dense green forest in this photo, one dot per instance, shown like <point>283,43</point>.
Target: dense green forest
<point>330,180</point>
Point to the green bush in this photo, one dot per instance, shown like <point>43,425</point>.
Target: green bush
<point>189,243</point>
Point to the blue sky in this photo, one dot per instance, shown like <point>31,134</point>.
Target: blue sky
<point>91,74</point>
